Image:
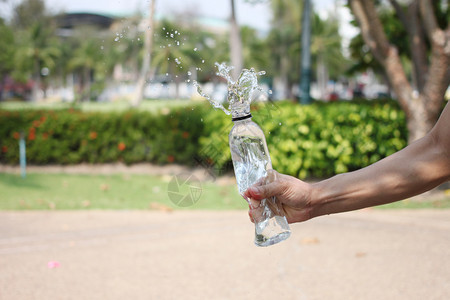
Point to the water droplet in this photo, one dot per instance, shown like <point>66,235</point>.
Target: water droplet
<point>171,35</point>
<point>203,61</point>
<point>189,73</point>
<point>176,31</point>
<point>117,39</point>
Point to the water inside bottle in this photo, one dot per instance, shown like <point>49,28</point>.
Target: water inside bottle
<point>255,161</point>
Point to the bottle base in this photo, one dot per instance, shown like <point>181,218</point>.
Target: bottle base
<point>271,231</point>
<point>262,241</point>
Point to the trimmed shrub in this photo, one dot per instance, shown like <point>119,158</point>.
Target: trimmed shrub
<point>318,140</point>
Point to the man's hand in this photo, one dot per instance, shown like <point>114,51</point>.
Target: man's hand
<point>293,194</point>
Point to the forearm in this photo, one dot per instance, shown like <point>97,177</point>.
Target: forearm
<point>413,170</point>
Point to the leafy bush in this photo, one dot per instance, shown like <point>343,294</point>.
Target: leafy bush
<point>316,140</point>
<point>70,136</point>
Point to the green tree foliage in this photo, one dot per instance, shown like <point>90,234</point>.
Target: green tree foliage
<point>255,51</point>
<point>36,46</point>
<point>411,50</point>
<point>86,60</point>
<point>284,42</point>
<point>88,55</point>
<point>29,12</point>
<point>6,51</point>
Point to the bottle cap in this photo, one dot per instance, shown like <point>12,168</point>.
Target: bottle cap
<point>241,118</point>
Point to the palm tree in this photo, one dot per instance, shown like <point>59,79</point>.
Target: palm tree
<point>326,50</point>
<point>173,57</point>
<point>37,50</point>
<point>86,59</point>
<point>284,43</point>
<point>6,52</point>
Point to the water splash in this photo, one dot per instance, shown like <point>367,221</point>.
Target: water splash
<point>239,92</point>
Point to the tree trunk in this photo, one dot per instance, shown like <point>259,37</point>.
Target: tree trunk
<point>37,81</point>
<point>411,21</point>
<point>235,44</point>
<point>422,107</point>
<point>145,69</point>
<point>322,76</point>
<point>87,85</point>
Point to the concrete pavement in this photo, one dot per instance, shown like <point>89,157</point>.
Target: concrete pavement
<point>369,254</point>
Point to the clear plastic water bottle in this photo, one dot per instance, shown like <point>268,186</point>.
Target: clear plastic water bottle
<point>251,161</point>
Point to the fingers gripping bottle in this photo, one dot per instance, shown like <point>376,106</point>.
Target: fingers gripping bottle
<point>251,161</point>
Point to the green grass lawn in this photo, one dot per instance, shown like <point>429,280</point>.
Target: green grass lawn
<point>62,191</point>
<point>147,105</point>
<point>418,204</point>
<point>121,192</point>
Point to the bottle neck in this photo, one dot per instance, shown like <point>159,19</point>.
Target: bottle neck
<point>242,118</point>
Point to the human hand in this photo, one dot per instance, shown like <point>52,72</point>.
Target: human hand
<point>293,195</point>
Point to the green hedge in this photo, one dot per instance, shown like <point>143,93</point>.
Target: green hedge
<point>71,137</point>
<point>316,140</point>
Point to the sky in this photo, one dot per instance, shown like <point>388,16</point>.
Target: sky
<point>257,15</point>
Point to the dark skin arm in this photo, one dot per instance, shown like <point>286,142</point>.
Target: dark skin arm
<point>415,169</point>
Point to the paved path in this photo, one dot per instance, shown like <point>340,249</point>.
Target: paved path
<point>370,254</point>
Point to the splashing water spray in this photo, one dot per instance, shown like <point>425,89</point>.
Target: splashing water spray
<point>250,155</point>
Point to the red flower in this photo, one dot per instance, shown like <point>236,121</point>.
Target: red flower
<point>5,149</point>
<point>16,135</point>
<point>43,118</point>
<point>32,134</point>
<point>36,123</point>
<point>170,158</point>
<point>45,135</point>
<point>93,135</point>
<point>185,135</point>
<point>121,146</point>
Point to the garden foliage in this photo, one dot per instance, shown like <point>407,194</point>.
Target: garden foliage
<point>318,140</point>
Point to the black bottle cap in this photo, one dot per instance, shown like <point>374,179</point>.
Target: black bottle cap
<point>241,118</point>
